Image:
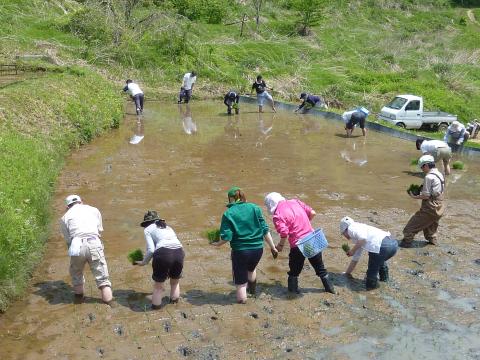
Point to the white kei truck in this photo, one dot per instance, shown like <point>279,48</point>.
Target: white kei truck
<point>406,111</point>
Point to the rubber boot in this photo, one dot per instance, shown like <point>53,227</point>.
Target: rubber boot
<point>371,284</point>
<point>293,284</point>
<point>327,284</point>
<point>252,287</point>
<point>383,273</point>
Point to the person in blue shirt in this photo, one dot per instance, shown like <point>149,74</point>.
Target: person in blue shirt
<point>231,102</point>
<point>309,102</point>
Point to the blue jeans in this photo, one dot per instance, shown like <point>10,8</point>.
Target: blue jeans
<point>378,261</point>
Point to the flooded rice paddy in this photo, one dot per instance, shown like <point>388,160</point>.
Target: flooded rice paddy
<point>180,160</point>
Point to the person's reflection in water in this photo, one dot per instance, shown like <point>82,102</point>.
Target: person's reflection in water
<point>138,132</point>
<point>232,127</point>
<point>189,126</point>
<point>355,153</point>
<point>265,128</point>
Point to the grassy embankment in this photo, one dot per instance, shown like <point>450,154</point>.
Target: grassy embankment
<point>360,53</point>
<point>40,121</point>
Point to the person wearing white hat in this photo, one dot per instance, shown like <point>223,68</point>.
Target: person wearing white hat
<point>379,244</point>
<point>292,221</point>
<point>432,195</point>
<point>354,117</point>
<point>456,136</point>
<point>81,227</point>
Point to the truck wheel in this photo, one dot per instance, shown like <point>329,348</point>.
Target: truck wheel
<point>442,127</point>
<point>401,125</point>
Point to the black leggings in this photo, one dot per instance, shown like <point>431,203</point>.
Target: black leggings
<point>138,99</point>
<point>296,261</point>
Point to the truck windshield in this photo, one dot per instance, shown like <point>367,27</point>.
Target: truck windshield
<point>397,103</point>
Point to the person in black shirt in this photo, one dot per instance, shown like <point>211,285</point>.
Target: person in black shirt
<point>231,102</point>
<point>262,94</point>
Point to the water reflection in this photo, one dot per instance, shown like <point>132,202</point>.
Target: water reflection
<point>189,126</point>
<point>232,127</point>
<point>265,125</point>
<point>355,152</point>
<point>138,131</point>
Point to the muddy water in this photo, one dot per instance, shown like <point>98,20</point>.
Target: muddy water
<point>180,161</point>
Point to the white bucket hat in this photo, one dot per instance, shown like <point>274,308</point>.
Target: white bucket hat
<point>425,159</point>
<point>345,223</point>
<point>271,201</point>
<point>364,110</point>
<point>455,126</point>
<point>70,199</point>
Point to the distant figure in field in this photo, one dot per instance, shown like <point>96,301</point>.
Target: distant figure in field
<point>186,90</point>
<point>353,118</point>
<point>261,89</point>
<point>438,149</point>
<point>81,227</point>
<point>168,256</point>
<point>136,94</point>
<point>456,136</point>
<point>309,102</point>
<point>231,102</point>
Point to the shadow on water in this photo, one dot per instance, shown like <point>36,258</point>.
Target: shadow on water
<point>200,297</point>
<point>413,173</point>
<point>344,136</point>
<point>353,284</point>
<point>59,292</point>
<point>134,300</point>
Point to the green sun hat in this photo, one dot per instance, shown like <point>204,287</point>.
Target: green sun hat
<point>232,191</point>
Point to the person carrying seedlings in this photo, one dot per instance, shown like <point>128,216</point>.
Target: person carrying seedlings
<point>261,89</point>
<point>189,80</point>
<point>432,195</point>
<point>81,227</point>
<point>168,256</point>
<point>379,244</point>
<point>231,102</point>
<point>309,102</point>
<point>292,221</point>
<point>456,136</point>
<point>355,117</point>
<point>244,227</point>
<point>438,149</point>
<point>136,94</point>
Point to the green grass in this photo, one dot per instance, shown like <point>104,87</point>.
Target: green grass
<point>345,247</point>
<point>213,235</point>
<point>414,189</point>
<point>458,165</point>
<point>135,255</point>
<point>40,121</point>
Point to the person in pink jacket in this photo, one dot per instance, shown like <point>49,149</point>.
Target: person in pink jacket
<point>292,221</point>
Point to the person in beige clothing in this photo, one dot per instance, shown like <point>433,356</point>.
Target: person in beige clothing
<point>432,208</point>
<point>81,226</point>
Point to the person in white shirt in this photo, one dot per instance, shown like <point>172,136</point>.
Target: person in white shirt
<point>438,149</point>
<point>81,226</point>
<point>378,243</point>
<point>168,256</point>
<point>136,94</point>
<point>456,136</point>
<point>189,80</point>
<point>432,195</point>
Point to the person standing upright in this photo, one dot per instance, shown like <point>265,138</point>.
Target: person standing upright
<point>136,94</point>
<point>261,89</point>
<point>186,90</point>
<point>81,227</point>
<point>432,208</point>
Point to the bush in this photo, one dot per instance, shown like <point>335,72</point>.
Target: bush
<point>209,11</point>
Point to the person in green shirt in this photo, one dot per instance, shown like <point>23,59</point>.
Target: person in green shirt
<point>244,227</point>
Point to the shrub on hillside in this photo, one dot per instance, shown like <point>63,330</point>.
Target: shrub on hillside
<point>91,25</point>
<point>209,11</point>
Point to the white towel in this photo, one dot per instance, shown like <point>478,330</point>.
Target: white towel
<point>75,245</point>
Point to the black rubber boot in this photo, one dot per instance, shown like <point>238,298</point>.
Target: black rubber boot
<point>293,284</point>
<point>371,284</point>
<point>383,273</point>
<point>327,284</point>
<point>252,287</point>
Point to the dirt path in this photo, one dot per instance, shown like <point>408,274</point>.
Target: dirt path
<point>471,16</point>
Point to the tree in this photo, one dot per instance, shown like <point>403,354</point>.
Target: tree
<point>310,14</point>
<point>257,4</point>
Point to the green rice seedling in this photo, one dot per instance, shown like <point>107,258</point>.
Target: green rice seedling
<point>345,247</point>
<point>414,189</point>
<point>135,255</point>
<point>458,165</point>
<point>414,161</point>
<point>213,235</point>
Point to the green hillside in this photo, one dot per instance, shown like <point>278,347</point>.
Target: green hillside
<point>351,52</point>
